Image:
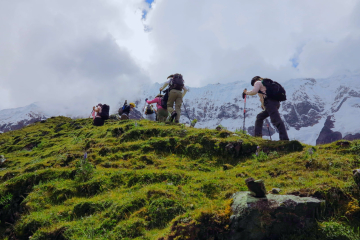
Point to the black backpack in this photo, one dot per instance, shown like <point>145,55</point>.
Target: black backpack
<point>105,111</point>
<point>177,82</point>
<point>149,110</point>
<point>274,90</point>
<point>164,99</point>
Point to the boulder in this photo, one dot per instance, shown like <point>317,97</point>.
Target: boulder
<point>272,216</point>
<point>356,176</point>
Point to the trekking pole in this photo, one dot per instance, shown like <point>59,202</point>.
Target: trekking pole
<point>91,113</point>
<point>269,131</point>
<point>244,111</point>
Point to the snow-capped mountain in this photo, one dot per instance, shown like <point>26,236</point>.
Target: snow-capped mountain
<point>16,118</point>
<point>317,110</point>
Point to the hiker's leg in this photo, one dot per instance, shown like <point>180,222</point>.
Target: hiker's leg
<point>171,100</point>
<point>178,103</point>
<point>162,115</point>
<point>272,107</point>
<point>259,123</point>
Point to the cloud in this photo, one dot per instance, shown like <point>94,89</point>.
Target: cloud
<point>77,53</point>
<point>211,41</point>
<point>67,53</point>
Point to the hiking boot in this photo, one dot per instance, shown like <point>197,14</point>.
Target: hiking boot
<point>172,117</point>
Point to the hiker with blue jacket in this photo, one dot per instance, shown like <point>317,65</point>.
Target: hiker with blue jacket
<point>125,110</point>
<point>176,94</point>
<point>270,103</point>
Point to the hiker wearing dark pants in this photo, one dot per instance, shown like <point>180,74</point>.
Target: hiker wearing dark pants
<point>176,94</point>
<point>270,108</point>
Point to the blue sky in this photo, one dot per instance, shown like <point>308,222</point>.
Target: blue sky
<point>144,11</point>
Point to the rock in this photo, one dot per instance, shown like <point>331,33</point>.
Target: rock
<point>257,188</point>
<point>343,144</point>
<point>275,190</point>
<point>227,166</point>
<point>272,216</point>
<point>2,159</point>
<point>356,176</point>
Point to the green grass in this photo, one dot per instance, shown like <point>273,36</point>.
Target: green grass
<point>153,180</point>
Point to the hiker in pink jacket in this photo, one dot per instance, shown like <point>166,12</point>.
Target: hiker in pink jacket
<point>162,113</point>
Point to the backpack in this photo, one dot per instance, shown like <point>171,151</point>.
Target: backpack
<point>177,82</point>
<point>104,113</point>
<point>149,110</point>
<point>164,99</point>
<point>274,90</point>
<point>121,109</point>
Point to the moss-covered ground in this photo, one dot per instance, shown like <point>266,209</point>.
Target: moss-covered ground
<point>147,180</point>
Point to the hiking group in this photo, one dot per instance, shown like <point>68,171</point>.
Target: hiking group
<point>164,104</point>
<point>271,93</point>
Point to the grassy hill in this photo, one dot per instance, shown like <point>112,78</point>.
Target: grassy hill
<point>147,180</point>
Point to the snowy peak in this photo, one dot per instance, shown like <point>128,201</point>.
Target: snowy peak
<point>16,118</point>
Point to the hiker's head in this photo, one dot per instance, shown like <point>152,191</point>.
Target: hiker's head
<point>160,95</point>
<point>254,79</point>
<point>99,105</point>
<point>171,76</point>
<point>132,105</point>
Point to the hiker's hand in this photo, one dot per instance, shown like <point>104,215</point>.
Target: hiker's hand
<point>262,107</point>
<point>93,108</point>
<point>243,95</point>
<point>146,99</point>
<point>160,89</point>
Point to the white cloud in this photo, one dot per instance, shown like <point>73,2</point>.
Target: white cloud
<point>90,51</point>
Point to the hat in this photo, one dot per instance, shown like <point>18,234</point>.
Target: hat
<point>132,105</point>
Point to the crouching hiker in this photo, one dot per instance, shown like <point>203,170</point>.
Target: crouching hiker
<point>125,110</point>
<point>271,94</point>
<point>162,113</point>
<point>102,114</point>
<point>176,85</point>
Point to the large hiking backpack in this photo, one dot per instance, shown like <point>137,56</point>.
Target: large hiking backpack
<point>274,90</point>
<point>177,82</point>
<point>149,110</point>
<point>164,99</point>
<point>104,113</point>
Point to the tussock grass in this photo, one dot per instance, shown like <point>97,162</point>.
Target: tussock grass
<point>159,181</point>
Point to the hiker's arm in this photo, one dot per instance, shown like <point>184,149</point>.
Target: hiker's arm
<point>165,85</point>
<point>255,90</point>
<point>152,101</point>
<point>185,91</point>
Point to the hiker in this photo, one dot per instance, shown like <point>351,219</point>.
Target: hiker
<point>176,85</point>
<point>102,114</point>
<point>161,113</point>
<point>125,110</point>
<point>270,106</point>
<point>150,112</point>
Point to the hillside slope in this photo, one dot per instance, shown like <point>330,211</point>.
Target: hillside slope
<point>147,180</point>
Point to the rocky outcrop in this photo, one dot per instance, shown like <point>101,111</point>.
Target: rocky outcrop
<point>20,124</point>
<point>327,135</point>
<point>272,216</point>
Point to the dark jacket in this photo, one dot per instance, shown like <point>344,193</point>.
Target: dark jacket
<point>126,109</point>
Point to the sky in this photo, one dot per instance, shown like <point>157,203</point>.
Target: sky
<point>74,54</point>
